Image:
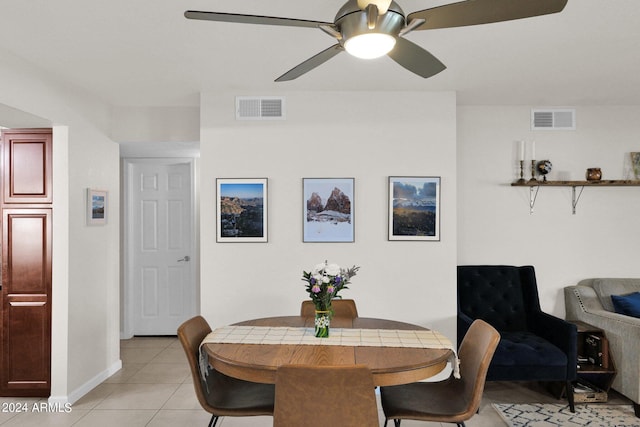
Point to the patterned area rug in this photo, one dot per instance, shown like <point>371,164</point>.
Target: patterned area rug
<point>551,415</point>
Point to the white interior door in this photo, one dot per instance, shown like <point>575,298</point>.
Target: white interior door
<point>160,242</point>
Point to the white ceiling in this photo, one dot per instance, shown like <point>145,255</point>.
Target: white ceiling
<point>145,53</point>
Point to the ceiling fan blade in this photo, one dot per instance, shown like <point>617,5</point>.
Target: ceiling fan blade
<point>415,59</point>
<point>311,63</point>
<point>252,19</point>
<point>474,12</point>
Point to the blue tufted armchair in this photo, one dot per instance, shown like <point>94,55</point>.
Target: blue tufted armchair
<point>534,346</point>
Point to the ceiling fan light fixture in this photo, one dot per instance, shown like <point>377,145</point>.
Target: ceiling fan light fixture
<point>383,5</point>
<point>370,45</point>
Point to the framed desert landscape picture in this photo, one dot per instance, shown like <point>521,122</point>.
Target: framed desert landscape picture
<point>414,208</point>
<point>241,210</point>
<point>328,209</point>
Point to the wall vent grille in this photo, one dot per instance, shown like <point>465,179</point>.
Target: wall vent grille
<point>260,108</point>
<point>553,119</point>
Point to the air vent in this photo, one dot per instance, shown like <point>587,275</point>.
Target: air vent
<point>553,119</point>
<point>259,108</point>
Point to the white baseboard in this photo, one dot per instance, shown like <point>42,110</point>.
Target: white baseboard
<point>76,394</point>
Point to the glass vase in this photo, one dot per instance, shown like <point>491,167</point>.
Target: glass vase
<point>322,322</point>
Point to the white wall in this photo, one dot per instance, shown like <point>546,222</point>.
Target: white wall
<point>85,337</point>
<point>94,252</point>
<point>367,136</point>
<point>155,124</point>
<point>494,224</point>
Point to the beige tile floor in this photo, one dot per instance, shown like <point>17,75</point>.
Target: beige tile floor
<point>154,389</point>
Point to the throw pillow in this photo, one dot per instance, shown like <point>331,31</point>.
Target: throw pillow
<point>627,304</point>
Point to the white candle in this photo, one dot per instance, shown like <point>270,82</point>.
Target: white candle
<point>533,150</point>
<point>522,150</point>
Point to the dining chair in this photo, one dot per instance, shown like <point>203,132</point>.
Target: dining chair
<point>320,396</point>
<point>452,400</point>
<point>341,308</point>
<point>219,394</point>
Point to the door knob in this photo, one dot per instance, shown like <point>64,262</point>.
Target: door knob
<point>186,258</point>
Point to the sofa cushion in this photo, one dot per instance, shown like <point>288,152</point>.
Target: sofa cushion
<point>627,304</point>
<point>607,287</point>
<point>525,349</point>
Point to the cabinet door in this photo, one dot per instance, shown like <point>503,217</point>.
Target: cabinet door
<point>25,357</point>
<point>27,165</point>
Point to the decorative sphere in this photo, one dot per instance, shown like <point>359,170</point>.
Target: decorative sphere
<point>544,167</point>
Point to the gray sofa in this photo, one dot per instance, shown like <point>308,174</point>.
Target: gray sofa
<point>590,302</point>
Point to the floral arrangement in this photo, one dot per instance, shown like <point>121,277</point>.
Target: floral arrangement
<point>325,281</point>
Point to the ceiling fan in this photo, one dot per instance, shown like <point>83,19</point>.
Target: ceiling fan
<point>373,28</point>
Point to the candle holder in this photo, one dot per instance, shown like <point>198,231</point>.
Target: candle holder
<point>521,180</point>
<point>533,171</point>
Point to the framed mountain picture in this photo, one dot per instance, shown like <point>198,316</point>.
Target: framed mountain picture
<point>242,210</point>
<point>414,208</point>
<point>328,209</point>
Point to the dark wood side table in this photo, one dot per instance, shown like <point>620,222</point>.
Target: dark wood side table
<point>595,371</point>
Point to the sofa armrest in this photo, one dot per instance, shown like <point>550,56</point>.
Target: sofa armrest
<point>609,321</point>
<point>560,333</point>
<point>580,299</point>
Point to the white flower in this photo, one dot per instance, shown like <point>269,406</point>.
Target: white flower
<point>319,268</point>
<point>326,279</point>
<point>318,277</point>
<point>333,269</point>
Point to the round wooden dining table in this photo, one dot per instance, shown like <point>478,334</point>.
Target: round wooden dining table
<point>389,365</point>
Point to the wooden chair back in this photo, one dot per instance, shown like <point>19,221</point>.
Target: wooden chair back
<point>320,396</point>
<point>475,354</point>
<point>191,333</point>
<point>341,308</point>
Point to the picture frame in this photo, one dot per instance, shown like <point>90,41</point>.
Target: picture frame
<point>97,206</point>
<point>414,208</point>
<point>328,210</point>
<point>241,210</point>
<point>635,164</point>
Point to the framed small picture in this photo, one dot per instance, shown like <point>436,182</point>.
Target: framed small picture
<point>635,164</point>
<point>242,210</point>
<point>328,209</point>
<point>96,207</point>
<point>414,208</point>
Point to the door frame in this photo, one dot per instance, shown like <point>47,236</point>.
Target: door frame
<point>127,314</point>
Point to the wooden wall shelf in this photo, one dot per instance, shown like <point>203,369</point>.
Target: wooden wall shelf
<point>535,185</point>
<point>602,183</point>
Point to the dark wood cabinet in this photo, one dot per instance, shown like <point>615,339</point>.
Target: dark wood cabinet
<point>27,166</point>
<point>25,321</point>
<point>26,307</point>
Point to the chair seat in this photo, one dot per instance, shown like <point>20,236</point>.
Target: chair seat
<point>444,402</point>
<point>228,395</point>
<point>523,355</point>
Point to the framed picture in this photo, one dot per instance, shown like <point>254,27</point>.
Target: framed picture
<point>242,210</point>
<point>96,207</point>
<point>414,208</point>
<point>328,210</point>
<point>635,164</point>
